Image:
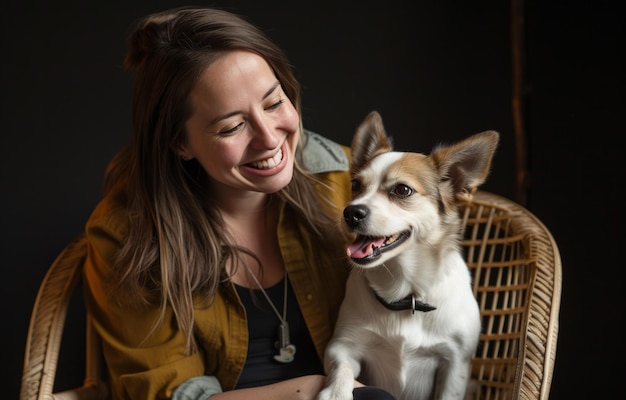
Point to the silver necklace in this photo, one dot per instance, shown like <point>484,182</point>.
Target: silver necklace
<point>286,350</point>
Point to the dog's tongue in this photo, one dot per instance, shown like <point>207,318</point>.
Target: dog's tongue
<point>364,246</point>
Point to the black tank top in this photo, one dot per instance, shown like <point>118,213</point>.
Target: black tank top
<point>263,323</point>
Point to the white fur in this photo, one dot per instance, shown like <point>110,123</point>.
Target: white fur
<point>421,355</point>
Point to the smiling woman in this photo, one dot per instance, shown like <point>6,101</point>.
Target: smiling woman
<point>243,129</point>
<point>214,254</point>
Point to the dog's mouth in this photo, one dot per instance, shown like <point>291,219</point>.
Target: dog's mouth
<point>366,249</point>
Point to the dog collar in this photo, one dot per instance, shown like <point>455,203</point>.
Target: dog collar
<point>408,303</point>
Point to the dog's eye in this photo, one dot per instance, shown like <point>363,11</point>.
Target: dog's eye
<point>401,190</point>
<point>356,185</point>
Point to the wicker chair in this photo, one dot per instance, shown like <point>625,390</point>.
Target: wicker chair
<point>517,282</point>
<point>516,266</point>
<point>45,332</point>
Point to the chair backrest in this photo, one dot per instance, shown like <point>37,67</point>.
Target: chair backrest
<point>516,267</point>
<point>45,331</point>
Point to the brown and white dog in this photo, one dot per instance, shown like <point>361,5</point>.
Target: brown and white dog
<point>409,322</point>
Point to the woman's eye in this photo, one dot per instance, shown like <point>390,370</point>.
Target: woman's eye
<point>275,105</point>
<point>231,130</point>
<point>401,190</point>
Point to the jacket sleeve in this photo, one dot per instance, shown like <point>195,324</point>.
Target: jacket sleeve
<point>198,388</point>
<point>145,361</point>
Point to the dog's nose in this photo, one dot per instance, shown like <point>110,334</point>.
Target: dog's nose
<point>353,215</point>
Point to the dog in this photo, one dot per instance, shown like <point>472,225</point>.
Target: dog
<point>409,322</point>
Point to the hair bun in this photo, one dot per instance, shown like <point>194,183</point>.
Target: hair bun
<point>151,34</point>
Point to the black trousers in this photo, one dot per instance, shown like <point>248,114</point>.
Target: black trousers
<point>371,393</point>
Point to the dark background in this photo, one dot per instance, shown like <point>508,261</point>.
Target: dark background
<point>436,70</point>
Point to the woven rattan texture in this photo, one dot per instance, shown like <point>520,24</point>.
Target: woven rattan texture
<point>516,271</point>
<point>42,347</point>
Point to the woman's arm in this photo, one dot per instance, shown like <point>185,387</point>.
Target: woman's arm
<point>301,388</point>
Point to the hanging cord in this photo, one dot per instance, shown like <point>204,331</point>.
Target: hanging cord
<point>286,350</point>
<point>267,297</point>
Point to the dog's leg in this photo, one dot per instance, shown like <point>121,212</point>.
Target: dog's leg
<point>341,370</point>
<point>471,393</point>
<point>452,381</point>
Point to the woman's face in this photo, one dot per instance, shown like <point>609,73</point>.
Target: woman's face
<point>243,129</point>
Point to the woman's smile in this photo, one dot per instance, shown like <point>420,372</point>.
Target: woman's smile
<point>269,162</point>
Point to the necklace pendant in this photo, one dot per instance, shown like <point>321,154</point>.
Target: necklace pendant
<point>287,350</point>
<point>285,354</point>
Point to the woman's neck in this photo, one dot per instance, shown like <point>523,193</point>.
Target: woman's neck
<point>253,226</point>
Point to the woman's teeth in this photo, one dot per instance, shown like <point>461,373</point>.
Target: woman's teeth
<point>270,162</point>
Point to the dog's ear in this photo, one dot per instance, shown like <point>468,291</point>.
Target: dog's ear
<point>369,140</point>
<point>466,164</point>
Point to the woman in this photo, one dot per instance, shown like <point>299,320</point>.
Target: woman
<point>215,267</point>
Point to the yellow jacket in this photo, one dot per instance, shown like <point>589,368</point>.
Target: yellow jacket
<point>150,365</point>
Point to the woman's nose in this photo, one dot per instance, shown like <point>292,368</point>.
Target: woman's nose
<point>264,135</point>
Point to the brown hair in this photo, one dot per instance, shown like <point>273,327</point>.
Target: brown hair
<point>176,247</point>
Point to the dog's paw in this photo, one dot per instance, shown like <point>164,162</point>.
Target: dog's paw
<point>334,393</point>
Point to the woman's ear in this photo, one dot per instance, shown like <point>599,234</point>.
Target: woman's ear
<point>183,153</point>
